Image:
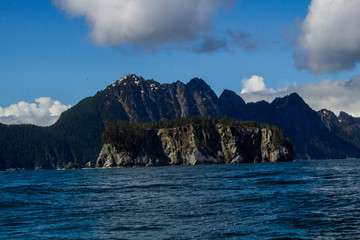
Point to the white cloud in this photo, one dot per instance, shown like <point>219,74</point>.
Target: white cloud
<point>331,37</point>
<point>334,95</point>
<point>143,22</point>
<point>254,84</point>
<point>43,112</point>
<point>137,25</point>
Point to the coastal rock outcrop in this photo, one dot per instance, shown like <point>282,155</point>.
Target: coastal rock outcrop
<point>207,141</point>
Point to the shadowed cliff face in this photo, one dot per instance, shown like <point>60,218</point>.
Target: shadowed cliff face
<point>148,100</point>
<point>343,126</point>
<point>309,135</point>
<point>197,144</point>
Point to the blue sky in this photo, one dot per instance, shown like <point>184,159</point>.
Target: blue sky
<point>50,49</point>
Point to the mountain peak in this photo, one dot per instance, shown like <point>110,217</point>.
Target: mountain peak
<point>129,78</point>
<point>232,104</point>
<point>346,118</point>
<point>328,118</point>
<point>292,99</point>
<point>197,83</point>
<point>228,92</point>
<point>230,97</point>
<point>327,114</point>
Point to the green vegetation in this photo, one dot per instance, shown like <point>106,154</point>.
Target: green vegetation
<point>28,147</point>
<point>131,135</point>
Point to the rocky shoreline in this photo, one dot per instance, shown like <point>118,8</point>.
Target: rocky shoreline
<point>196,144</point>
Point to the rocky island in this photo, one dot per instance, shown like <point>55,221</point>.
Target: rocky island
<point>190,141</point>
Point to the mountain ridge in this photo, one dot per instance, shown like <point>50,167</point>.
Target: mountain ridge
<point>344,126</point>
<point>133,98</point>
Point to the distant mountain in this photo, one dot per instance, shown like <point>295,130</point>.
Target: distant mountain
<point>76,136</point>
<point>344,126</point>
<point>309,136</point>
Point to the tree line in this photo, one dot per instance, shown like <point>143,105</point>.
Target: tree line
<point>131,134</point>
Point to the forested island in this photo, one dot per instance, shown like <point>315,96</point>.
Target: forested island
<point>190,141</point>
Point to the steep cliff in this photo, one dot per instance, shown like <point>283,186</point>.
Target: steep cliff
<point>344,126</point>
<point>197,140</point>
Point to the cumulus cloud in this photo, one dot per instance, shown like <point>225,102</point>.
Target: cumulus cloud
<point>330,39</point>
<point>117,22</point>
<point>255,84</point>
<point>44,112</point>
<point>146,25</point>
<point>334,95</point>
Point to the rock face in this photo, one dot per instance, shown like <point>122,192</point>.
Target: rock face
<point>70,165</point>
<point>343,126</point>
<point>195,144</point>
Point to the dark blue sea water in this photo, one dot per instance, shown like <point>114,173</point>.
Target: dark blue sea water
<point>297,200</point>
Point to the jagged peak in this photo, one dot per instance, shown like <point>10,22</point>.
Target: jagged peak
<point>326,111</point>
<point>232,96</point>
<point>347,118</point>
<point>228,92</point>
<point>326,114</point>
<point>292,98</point>
<point>328,118</point>
<point>344,114</point>
<point>129,78</point>
<point>295,95</point>
<point>138,81</point>
<point>198,82</point>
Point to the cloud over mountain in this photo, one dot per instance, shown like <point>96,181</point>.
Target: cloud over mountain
<point>255,84</point>
<point>147,25</point>
<point>335,95</point>
<point>117,22</point>
<point>44,112</point>
<point>330,41</point>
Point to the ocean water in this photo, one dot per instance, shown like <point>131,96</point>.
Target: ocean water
<point>296,200</point>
